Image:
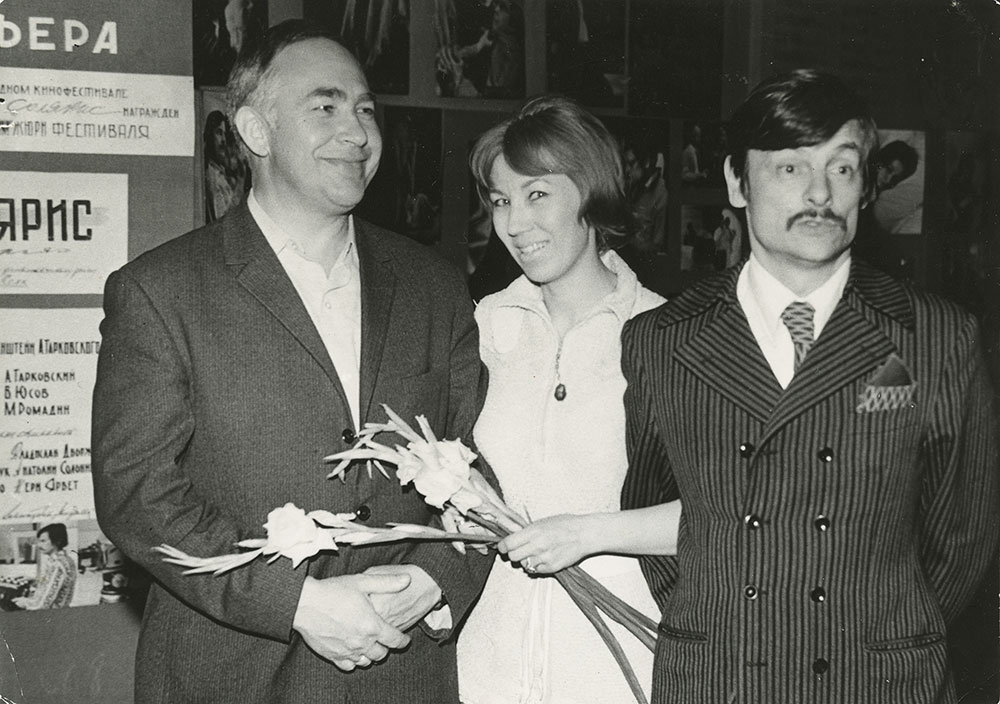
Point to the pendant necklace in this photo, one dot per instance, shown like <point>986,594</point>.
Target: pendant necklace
<point>560,392</point>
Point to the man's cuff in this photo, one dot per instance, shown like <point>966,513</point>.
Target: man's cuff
<point>438,623</point>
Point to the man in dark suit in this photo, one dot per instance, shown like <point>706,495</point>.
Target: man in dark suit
<point>234,359</point>
<point>828,429</point>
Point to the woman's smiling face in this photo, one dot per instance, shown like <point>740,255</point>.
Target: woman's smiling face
<point>538,220</point>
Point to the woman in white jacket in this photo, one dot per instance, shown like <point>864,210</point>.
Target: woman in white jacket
<point>553,424</point>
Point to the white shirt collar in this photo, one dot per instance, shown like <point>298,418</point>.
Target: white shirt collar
<point>771,297</point>
<point>522,293</point>
<point>279,240</point>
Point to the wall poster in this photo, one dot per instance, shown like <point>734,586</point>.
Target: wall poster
<point>61,232</point>
<point>52,552</point>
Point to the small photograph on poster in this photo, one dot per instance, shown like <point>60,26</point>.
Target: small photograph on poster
<point>56,564</point>
<point>899,186</point>
<point>705,146</point>
<point>376,31</point>
<point>223,175</point>
<point>405,195</point>
<point>585,44</point>
<point>480,48</point>
<point>223,29</point>
<point>714,238</point>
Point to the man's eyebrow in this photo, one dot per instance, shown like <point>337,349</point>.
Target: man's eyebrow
<point>332,93</point>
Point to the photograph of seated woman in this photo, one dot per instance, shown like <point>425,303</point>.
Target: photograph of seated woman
<point>56,575</point>
<point>553,423</point>
<point>227,177</point>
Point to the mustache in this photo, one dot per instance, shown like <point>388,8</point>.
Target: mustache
<point>826,214</point>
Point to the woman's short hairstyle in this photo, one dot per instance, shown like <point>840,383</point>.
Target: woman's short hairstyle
<point>554,135</point>
<point>57,534</point>
<point>801,108</point>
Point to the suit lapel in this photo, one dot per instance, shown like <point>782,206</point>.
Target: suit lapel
<point>859,336</point>
<point>258,270</point>
<point>726,357</point>
<point>378,286</point>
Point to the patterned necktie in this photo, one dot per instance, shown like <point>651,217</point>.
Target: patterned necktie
<point>798,318</point>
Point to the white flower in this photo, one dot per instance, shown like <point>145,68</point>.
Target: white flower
<point>465,500</point>
<point>288,527</point>
<point>437,487</point>
<point>454,457</point>
<point>410,464</point>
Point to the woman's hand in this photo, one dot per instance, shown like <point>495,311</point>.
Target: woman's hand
<point>551,544</point>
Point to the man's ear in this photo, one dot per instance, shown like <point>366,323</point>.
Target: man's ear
<point>254,130</point>
<point>734,186</point>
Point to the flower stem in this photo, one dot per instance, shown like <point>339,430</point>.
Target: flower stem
<point>590,611</point>
<point>636,622</point>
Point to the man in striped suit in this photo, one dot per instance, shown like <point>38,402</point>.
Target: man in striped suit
<point>828,429</point>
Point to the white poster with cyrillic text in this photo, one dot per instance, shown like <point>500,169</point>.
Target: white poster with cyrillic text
<point>90,112</point>
<point>48,365</point>
<point>61,232</point>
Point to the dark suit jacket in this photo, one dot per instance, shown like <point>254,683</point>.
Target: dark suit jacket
<point>216,402</point>
<point>823,547</point>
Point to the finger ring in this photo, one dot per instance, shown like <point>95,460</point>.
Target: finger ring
<point>526,564</point>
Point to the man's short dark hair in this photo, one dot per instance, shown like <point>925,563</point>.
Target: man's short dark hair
<point>801,108</point>
<point>248,79</point>
<point>57,534</point>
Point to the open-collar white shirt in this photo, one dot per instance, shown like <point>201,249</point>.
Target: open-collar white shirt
<point>763,298</point>
<point>332,300</point>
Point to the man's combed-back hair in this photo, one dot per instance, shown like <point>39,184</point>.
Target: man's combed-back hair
<point>801,108</point>
<point>248,81</point>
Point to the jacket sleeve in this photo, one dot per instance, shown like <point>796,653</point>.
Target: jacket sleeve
<point>960,502</point>
<point>143,420</point>
<point>649,480</point>
<point>461,577</point>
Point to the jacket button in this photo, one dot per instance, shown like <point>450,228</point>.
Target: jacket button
<point>746,450</point>
<point>752,521</point>
<point>818,595</point>
<point>349,436</point>
<point>820,666</point>
<point>825,455</point>
<point>822,523</point>
<point>750,592</point>
<point>363,512</point>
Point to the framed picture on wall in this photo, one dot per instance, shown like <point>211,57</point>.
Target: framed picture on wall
<point>966,273</point>
<point>405,195</point>
<point>222,174</point>
<point>703,154</point>
<point>714,238</point>
<point>585,50</point>
<point>376,31</point>
<point>899,186</point>
<point>645,146</point>
<point>480,48</point>
<point>222,29</point>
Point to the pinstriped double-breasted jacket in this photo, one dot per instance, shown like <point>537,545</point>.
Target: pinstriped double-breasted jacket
<point>825,543</point>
